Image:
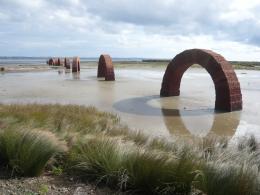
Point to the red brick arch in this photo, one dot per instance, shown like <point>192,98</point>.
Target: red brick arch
<point>58,62</point>
<point>51,61</point>
<point>67,63</point>
<point>76,64</point>
<point>106,68</point>
<point>227,87</point>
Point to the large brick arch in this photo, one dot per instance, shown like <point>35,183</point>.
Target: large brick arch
<point>106,68</point>
<point>227,87</point>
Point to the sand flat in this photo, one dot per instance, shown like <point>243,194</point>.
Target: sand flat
<point>134,96</point>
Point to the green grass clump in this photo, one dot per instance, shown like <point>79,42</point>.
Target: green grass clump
<point>229,178</point>
<point>155,173</point>
<point>229,169</point>
<point>129,167</point>
<point>96,159</point>
<point>27,152</point>
<point>160,167</point>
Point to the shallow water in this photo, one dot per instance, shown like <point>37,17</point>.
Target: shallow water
<point>134,96</point>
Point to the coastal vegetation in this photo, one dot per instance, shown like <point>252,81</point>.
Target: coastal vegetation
<point>94,146</point>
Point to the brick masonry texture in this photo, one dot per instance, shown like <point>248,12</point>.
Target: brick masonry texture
<point>106,68</point>
<point>67,63</point>
<point>76,64</point>
<point>227,87</point>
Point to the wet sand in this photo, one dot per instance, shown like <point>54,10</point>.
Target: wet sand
<point>134,96</point>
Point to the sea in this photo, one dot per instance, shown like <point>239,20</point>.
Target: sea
<point>42,60</point>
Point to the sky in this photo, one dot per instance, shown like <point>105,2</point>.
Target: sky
<point>129,28</point>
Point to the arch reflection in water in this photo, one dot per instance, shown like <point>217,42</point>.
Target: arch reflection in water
<point>76,75</point>
<point>222,124</point>
<point>182,121</point>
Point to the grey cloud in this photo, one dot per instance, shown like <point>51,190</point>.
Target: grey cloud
<point>85,19</point>
<point>178,17</point>
<point>141,12</point>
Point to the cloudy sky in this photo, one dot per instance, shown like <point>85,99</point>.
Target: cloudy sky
<point>129,28</point>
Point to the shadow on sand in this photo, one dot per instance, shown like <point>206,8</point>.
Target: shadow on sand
<point>224,124</point>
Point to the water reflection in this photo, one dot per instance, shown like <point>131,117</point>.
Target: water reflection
<point>67,71</point>
<point>180,120</point>
<point>60,72</point>
<point>76,75</point>
<point>222,124</point>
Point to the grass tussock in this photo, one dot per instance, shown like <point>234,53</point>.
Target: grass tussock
<point>102,150</point>
<point>157,168</point>
<point>96,159</point>
<point>130,168</point>
<point>27,152</point>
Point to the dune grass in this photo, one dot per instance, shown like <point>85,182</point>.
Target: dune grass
<point>102,150</point>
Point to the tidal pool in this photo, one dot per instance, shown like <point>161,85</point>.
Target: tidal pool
<point>134,96</point>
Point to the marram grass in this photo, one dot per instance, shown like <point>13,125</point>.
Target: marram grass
<point>102,150</point>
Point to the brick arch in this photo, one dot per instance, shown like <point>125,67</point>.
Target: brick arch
<point>106,68</point>
<point>227,87</point>
<point>58,62</point>
<point>67,63</point>
<point>76,64</point>
<point>51,61</point>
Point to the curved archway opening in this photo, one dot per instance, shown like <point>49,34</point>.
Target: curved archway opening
<point>106,68</point>
<point>227,87</point>
<point>197,90</point>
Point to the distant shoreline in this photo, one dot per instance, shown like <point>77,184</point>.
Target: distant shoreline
<point>232,62</point>
<point>248,65</point>
<point>145,63</point>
